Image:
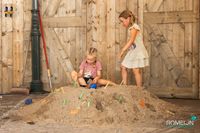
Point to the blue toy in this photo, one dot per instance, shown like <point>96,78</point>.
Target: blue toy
<point>93,86</point>
<point>28,101</point>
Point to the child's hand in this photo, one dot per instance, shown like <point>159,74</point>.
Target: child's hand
<point>120,56</point>
<point>94,81</point>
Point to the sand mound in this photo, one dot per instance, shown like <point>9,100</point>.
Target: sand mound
<point>114,105</point>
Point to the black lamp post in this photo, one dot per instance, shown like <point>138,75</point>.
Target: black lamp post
<point>36,83</point>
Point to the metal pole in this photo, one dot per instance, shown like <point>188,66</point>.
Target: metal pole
<point>36,84</point>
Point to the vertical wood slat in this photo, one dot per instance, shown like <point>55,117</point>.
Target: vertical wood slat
<point>82,33</point>
<point>188,50</point>
<point>168,5</point>
<point>91,23</point>
<point>26,79</point>
<point>199,54</point>
<point>7,59</point>
<point>188,5</point>
<point>132,6</point>
<point>110,35</point>
<point>52,8</point>
<point>18,22</point>
<point>1,89</point>
<point>78,41</point>
<point>196,51</point>
<point>72,32</point>
<point>120,36</point>
<point>154,5</point>
<point>101,33</point>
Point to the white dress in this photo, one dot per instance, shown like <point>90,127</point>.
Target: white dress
<point>137,56</point>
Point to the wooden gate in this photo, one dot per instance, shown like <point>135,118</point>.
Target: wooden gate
<point>65,32</point>
<point>171,30</point>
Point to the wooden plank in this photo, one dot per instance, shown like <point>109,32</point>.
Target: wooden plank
<point>171,92</point>
<point>171,17</point>
<point>141,14</point>
<point>18,43</point>
<point>156,74</point>
<point>110,35</point>
<point>178,42</point>
<point>188,5</point>
<point>27,7</point>
<point>196,50</point>
<point>168,5</point>
<point>52,8</point>
<point>160,42</point>
<point>147,70</point>
<point>188,51</point>
<point>179,5</point>
<point>154,5</point>
<point>101,40</point>
<point>199,50</point>
<point>91,23</point>
<point>168,32</point>
<point>82,32</point>
<point>7,36</point>
<point>120,36</point>
<point>1,76</point>
<point>63,22</point>
<point>72,33</point>
<point>79,43</point>
<point>59,52</point>
<point>132,5</point>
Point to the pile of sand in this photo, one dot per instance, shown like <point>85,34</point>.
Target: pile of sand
<point>114,105</point>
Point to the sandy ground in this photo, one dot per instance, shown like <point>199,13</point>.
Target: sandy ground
<point>118,109</point>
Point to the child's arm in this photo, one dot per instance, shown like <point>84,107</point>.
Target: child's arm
<point>97,77</point>
<point>80,74</point>
<point>130,42</point>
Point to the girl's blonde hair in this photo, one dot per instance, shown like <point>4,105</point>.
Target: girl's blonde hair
<point>127,13</point>
<point>92,52</point>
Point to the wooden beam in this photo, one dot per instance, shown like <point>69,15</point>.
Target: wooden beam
<point>59,52</point>
<point>158,41</point>
<point>172,92</point>
<point>170,17</point>
<point>64,22</point>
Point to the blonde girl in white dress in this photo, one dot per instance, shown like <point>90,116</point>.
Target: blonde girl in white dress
<point>136,56</point>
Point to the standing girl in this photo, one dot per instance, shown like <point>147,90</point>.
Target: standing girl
<point>136,56</point>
